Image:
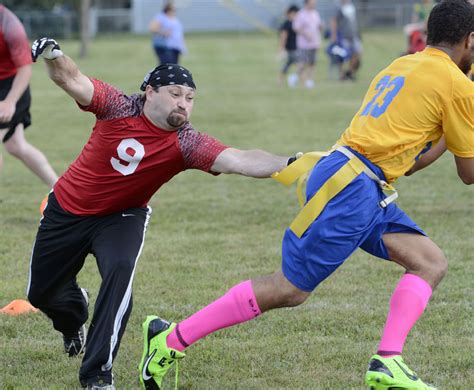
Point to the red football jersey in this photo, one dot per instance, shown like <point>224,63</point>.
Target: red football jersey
<point>127,158</point>
<point>14,46</point>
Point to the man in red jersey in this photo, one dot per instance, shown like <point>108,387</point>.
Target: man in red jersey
<point>15,99</point>
<point>99,205</point>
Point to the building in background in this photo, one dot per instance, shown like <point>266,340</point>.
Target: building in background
<point>60,18</point>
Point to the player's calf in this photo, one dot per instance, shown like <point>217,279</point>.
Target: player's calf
<point>274,291</point>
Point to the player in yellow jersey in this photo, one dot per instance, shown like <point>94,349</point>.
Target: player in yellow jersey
<point>415,109</point>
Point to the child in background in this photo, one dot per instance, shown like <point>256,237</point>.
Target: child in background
<point>287,45</point>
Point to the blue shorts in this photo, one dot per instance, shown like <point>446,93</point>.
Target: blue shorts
<point>352,219</point>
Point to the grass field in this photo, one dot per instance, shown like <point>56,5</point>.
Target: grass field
<point>208,233</point>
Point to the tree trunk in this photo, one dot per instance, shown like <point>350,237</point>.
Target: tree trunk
<point>85,28</point>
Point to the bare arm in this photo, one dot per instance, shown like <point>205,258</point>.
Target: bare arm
<point>154,26</point>
<point>465,167</point>
<point>283,37</point>
<point>22,79</point>
<point>322,26</point>
<point>333,25</point>
<point>63,71</point>
<point>429,157</point>
<point>253,163</point>
<point>19,85</point>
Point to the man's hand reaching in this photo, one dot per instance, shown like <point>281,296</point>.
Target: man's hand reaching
<point>47,48</point>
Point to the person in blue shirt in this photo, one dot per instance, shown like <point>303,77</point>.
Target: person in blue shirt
<point>168,35</point>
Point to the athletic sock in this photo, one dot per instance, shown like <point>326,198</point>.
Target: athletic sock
<point>408,302</point>
<point>237,305</point>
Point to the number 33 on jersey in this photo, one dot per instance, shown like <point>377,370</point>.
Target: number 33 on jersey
<point>387,88</point>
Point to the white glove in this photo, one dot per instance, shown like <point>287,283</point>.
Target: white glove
<point>47,48</point>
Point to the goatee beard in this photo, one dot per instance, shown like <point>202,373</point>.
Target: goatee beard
<point>175,120</point>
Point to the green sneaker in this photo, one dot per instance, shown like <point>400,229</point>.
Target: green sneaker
<point>392,373</point>
<point>157,358</point>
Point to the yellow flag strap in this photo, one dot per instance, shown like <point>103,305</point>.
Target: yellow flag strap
<point>384,186</point>
<point>348,172</point>
<point>300,186</point>
<point>300,169</point>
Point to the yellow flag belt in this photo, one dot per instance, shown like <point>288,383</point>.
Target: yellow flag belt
<point>299,170</point>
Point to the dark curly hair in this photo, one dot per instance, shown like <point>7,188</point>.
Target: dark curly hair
<point>450,22</point>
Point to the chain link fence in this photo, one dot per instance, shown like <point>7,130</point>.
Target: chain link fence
<point>203,15</point>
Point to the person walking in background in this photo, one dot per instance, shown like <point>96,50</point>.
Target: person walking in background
<point>100,204</point>
<point>288,46</point>
<point>345,32</point>
<point>15,98</point>
<point>308,26</point>
<point>414,110</point>
<point>168,35</point>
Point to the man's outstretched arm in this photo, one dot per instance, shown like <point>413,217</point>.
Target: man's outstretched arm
<point>63,71</point>
<point>465,167</point>
<point>253,163</point>
<point>430,157</point>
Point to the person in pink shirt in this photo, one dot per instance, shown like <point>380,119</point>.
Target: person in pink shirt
<point>308,26</point>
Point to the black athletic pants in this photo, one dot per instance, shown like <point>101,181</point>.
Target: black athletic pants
<point>62,243</point>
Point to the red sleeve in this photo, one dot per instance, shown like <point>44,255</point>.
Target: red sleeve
<point>16,39</point>
<point>109,102</point>
<point>199,150</point>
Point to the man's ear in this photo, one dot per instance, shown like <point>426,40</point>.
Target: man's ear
<point>469,42</point>
<point>149,91</point>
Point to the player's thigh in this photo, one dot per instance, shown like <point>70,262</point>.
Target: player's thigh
<point>398,238</point>
<point>119,239</point>
<point>16,142</point>
<point>309,260</point>
<point>312,56</point>
<point>336,233</point>
<point>292,57</point>
<point>418,254</point>
<point>60,248</point>
<point>21,117</point>
<point>3,132</point>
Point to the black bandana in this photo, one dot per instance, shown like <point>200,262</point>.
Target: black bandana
<point>168,74</point>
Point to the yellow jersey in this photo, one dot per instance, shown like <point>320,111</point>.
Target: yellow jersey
<point>408,107</point>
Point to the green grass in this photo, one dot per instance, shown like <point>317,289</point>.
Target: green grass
<point>208,233</point>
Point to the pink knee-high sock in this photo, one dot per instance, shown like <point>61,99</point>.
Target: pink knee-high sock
<point>237,305</point>
<point>406,305</point>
